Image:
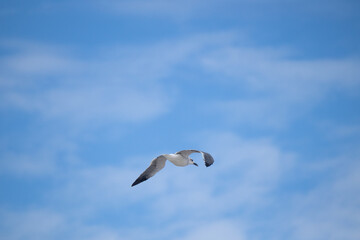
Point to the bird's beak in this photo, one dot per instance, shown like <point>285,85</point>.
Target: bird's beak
<point>196,164</point>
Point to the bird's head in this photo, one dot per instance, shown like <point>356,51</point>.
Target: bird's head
<point>192,162</point>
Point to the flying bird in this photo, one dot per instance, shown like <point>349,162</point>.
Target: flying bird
<point>180,159</point>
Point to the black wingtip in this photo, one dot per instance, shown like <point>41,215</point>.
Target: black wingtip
<point>136,182</point>
<point>139,180</point>
<point>209,160</point>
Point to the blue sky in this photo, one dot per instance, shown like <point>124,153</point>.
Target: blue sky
<point>92,91</point>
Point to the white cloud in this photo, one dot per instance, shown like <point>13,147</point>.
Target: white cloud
<point>98,102</point>
<point>255,165</point>
<point>275,71</point>
<point>116,82</point>
<point>25,164</point>
<point>329,210</point>
<point>220,229</point>
<point>26,58</point>
<point>38,157</point>
<point>268,112</point>
<point>279,88</point>
<point>44,224</point>
<point>56,85</point>
<point>38,63</point>
<point>97,188</point>
<point>35,224</point>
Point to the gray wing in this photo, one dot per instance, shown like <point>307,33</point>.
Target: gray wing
<point>186,153</point>
<point>156,165</point>
<point>209,160</point>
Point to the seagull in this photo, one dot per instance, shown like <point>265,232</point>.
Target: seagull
<point>180,159</point>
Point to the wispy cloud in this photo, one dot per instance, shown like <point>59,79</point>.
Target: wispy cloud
<point>58,85</point>
<point>95,103</point>
<point>329,210</point>
<point>34,224</point>
<point>127,84</point>
<point>116,82</point>
<point>282,88</point>
<point>215,230</point>
<point>47,224</point>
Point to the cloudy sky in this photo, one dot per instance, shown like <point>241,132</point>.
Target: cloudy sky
<point>91,91</point>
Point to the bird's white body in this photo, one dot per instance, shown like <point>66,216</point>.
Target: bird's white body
<point>177,159</point>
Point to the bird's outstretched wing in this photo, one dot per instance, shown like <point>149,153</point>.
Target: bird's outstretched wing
<point>156,165</point>
<point>209,160</point>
